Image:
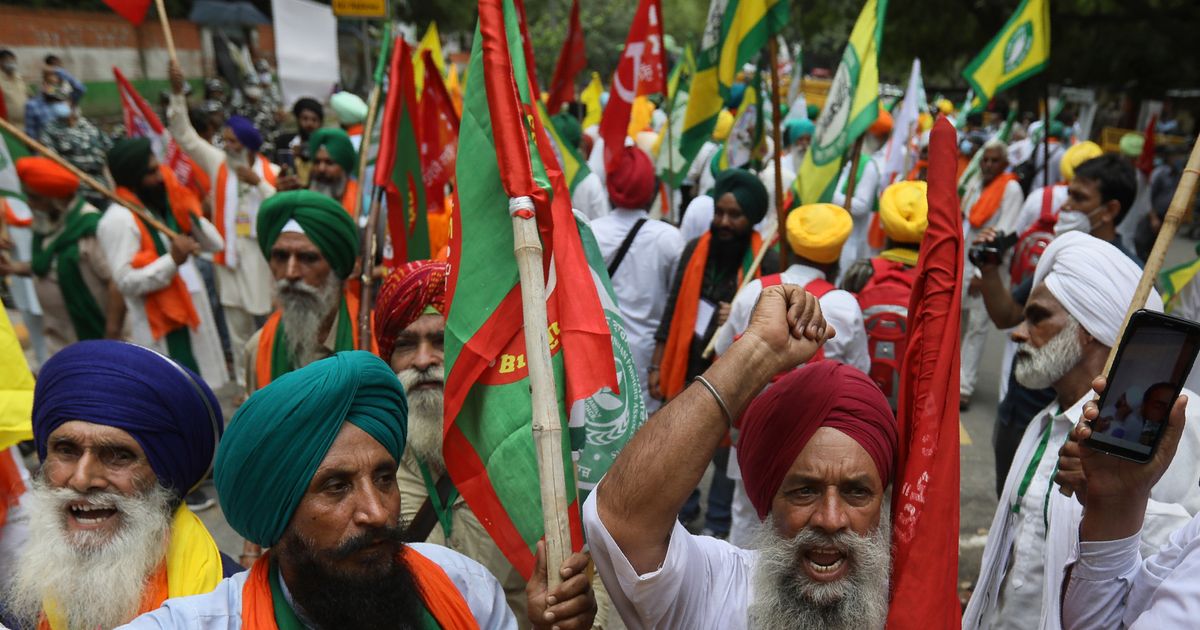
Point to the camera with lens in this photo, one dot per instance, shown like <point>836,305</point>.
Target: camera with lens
<point>992,252</point>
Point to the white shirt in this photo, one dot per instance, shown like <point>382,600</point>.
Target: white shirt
<point>703,582</point>
<point>862,206</point>
<point>1020,579</point>
<point>839,308</point>
<point>643,280</point>
<point>222,608</point>
<point>591,198</point>
<point>1032,208</point>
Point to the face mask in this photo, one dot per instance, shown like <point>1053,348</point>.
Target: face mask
<point>60,110</point>
<point>1073,222</point>
<point>9,67</point>
<point>964,147</point>
<point>253,93</point>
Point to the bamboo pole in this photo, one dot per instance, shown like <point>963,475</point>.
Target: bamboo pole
<point>367,264</point>
<point>780,211</point>
<point>166,28</point>
<point>746,279</point>
<point>852,176</point>
<point>547,430</point>
<point>88,180</point>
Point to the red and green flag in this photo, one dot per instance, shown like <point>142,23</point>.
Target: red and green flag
<point>505,154</point>
<point>439,136</point>
<point>398,165</point>
<point>572,59</point>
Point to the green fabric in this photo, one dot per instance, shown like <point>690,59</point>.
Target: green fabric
<point>179,341</point>
<point>749,191</point>
<point>281,434</point>
<point>285,617</point>
<point>86,315</point>
<point>444,514</point>
<point>343,340</point>
<point>325,223</point>
<point>340,148</point>
<point>128,160</point>
<point>568,127</point>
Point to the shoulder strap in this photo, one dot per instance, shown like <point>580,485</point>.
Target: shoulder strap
<point>426,517</point>
<point>771,280</point>
<point>1047,204</point>
<point>819,287</point>
<point>624,248</point>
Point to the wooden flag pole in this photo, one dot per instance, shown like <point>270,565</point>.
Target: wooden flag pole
<point>768,240</point>
<point>88,180</point>
<point>780,211</point>
<point>166,28</point>
<point>851,184</point>
<point>369,240</point>
<point>547,429</point>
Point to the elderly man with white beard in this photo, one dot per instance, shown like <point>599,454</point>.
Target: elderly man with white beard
<point>1082,288</point>
<point>817,453</point>
<point>123,433</point>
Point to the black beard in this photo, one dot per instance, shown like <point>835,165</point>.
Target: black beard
<point>730,251</point>
<point>154,198</point>
<point>382,595</point>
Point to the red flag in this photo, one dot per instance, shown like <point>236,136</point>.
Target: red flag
<point>439,136</point>
<point>926,499</point>
<point>572,59</point>
<point>1145,161</point>
<point>142,122</point>
<point>640,72</point>
<point>398,165</point>
<point>132,10</point>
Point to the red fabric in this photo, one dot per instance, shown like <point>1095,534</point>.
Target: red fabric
<point>631,183</point>
<point>1145,161</point>
<point>11,484</point>
<point>640,72</point>
<point>780,422</point>
<point>925,500</point>
<point>405,294</point>
<point>439,138</point>
<point>142,121</point>
<point>572,59</point>
<point>43,176</point>
<point>132,10</point>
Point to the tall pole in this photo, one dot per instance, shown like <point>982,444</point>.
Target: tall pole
<point>166,28</point>
<point>852,176</point>
<point>1046,133</point>
<point>369,241</point>
<point>780,211</point>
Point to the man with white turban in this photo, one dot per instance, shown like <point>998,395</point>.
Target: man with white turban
<point>1082,288</point>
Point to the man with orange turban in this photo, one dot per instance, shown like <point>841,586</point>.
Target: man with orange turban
<point>868,185</point>
<point>70,272</point>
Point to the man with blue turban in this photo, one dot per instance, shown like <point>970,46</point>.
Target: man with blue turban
<point>123,433</point>
<point>242,178</point>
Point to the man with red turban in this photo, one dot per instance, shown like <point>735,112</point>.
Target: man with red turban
<point>641,254</point>
<point>70,271</point>
<point>817,453</point>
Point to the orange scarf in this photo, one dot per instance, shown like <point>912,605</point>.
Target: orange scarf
<point>152,598</point>
<point>12,219</point>
<point>673,369</point>
<point>441,597</point>
<point>266,340</point>
<point>989,199</point>
<point>170,307</point>
<point>350,198</point>
<point>219,192</point>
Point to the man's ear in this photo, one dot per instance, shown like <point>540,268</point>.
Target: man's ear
<point>1111,209</point>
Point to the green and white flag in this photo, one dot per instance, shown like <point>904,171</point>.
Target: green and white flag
<point>12,150</point>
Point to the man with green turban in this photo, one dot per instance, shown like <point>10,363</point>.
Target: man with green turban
<point>588,194</point>
<point>311,245</point>
<point>307,467</point>
<point>334,162</point>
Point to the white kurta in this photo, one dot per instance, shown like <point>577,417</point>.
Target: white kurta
<point>1020,579</point>
<point>1032,208</point>
<point>862,206</point>
<point>222,608</point>
<point>703,583</point>
<point>591,198</point>
<point>643,281</point>
<point>122,238</point>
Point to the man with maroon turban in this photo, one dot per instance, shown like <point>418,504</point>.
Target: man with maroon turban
<point>817,453</point>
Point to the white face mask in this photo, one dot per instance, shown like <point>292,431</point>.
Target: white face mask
<point>1073,222</point>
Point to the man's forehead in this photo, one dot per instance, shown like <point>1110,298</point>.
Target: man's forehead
<point>1042,297</point>
<point>831,453</point>
<point>81,431</point>
<point>295,242</point>
<point>427,324</point>
<point>354,448</point>
<point>728,202</point>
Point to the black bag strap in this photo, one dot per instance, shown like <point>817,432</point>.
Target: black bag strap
<point>426,518</point>
<point>624,248</point>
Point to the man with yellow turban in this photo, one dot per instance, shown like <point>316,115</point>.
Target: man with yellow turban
<point>815,235</point>
<point>70,272</point>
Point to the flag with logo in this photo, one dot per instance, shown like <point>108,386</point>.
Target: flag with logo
<point>704,96</point>
<point>506,154</point>
<point>1019,51</point>
<point>640,72</point>
<point>851,107</point>
<point>398,165</point>
<point>439,137</point>
<point>141,122</point>
<point>746,27</point>
<point>572,59</point>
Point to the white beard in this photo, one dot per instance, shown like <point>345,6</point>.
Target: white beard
<point>787,599</point>
<point>425,416</point>
<point>1039,368</point>
<point>303,309</point>
<point>96,582</point>
<point>333,190</point>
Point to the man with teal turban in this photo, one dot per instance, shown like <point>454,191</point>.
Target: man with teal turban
<point>311,245</point>
<point>334,163</point>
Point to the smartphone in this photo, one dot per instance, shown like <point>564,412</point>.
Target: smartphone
<point>1153,361</point>
<point>285,159</point>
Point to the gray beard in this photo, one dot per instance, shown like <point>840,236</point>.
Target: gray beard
<point>96,582</point>
<point>785,598</point>
<point>303,309</point>
<point>334,190</point>
<point>1039,368</point>
<point>425,417</point>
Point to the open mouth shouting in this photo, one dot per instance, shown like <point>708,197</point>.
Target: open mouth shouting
<point>825,564</point>
<point>86,515</point>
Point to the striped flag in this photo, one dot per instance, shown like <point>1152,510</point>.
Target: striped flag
<point>745,29</point>
<point>704,95</point>
<point>141,122</point>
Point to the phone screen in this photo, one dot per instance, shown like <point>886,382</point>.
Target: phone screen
<point>1153,362</point>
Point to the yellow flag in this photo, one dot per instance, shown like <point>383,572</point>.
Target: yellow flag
<point>705,101</point>
<point>454,87</point>
<point>590,96</point>
<point>851,107</point>
<point>433,44</point>
<point>1019,51</point>
<point>16,388</point>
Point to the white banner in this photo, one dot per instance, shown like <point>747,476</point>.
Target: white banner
<point>306,49</point>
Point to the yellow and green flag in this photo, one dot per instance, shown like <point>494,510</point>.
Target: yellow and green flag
<point>745,29</point>
<point>852,105</point>
<point>1172,281</point>
<point>704,97</point>
<point>1018,52</point>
